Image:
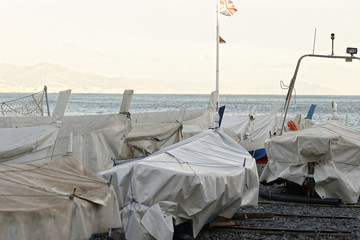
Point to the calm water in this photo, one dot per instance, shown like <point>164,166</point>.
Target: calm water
<point>80,104</point>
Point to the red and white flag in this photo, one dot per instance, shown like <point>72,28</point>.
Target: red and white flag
<point>221,40</point>
<point>227,7</point>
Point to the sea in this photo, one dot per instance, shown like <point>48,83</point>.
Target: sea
<point>348,107</point>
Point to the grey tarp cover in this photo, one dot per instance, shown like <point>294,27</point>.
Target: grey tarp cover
<point>333,147</point>
<point>35,203</point>
<point>194,180</point>
<point>96,138</point>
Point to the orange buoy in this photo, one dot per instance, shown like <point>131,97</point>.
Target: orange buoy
<point>292,125</point>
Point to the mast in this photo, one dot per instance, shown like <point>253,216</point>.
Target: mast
<point>217,53</point>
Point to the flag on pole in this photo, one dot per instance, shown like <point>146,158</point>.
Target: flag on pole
<point>227,7</point>
<point>221,40</point>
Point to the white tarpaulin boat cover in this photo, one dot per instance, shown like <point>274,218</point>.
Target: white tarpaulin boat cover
<point>31,143</point>
<point>96,138</point>
<point>153,131</point>
<point>335,150</point>
<point>251,131</point>
<point>36,202</point>
<point>193,120</point>
<point>27,144</point>
<point>194,180</point>
<point>147,138</point>
<point>196,121</point>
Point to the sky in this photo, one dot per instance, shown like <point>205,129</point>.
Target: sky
<point>175,41</point>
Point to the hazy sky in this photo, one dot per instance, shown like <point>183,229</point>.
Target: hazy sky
<point>174,41</point>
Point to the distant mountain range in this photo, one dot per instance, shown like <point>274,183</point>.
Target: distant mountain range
<point>57,78</point>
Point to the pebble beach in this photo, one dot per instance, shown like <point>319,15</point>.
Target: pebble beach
<point>283,220</point>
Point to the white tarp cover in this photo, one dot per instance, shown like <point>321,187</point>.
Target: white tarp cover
<point>264,125</point>
<point>252,131</point>
<point>27,144</point>
<point>333,147</point>
<point>196,121</point>
<point>194,180</point>
<point>193,120</point>
<point>96,138</point>
<point>237,127</point>
<point>35,203</point>
<point>200,123</point>
<point>153,131</point>
<point>146,138</point>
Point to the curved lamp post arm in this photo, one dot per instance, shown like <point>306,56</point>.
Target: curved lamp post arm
<point>292,83</point>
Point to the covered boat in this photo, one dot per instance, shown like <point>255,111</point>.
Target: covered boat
<point>251,131</point>
<point>32,143</point>
<point>197,179</point>
<point>329,153</point>
<point>153,131</point>
<point>201,118</point>
<point>55,200</point>
<point>95,138</point>
<point>144,139</point>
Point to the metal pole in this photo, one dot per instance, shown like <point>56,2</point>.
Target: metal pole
<point>70,143</point>
<point>314,41</point>
<point>217,52</point>
<point>292,83</point>
<point>289,94</point>
<point>47,100</point>
<point>332,44</point>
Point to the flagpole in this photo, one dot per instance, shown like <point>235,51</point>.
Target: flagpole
<point>217,53</point>
<point>229,10</point>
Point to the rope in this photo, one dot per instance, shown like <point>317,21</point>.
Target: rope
<point>324,228</point>
<point>246,185</point>
<point>166,139</point>
<point>284,86</point>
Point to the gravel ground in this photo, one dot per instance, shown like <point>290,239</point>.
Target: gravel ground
<point>320,219</point>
